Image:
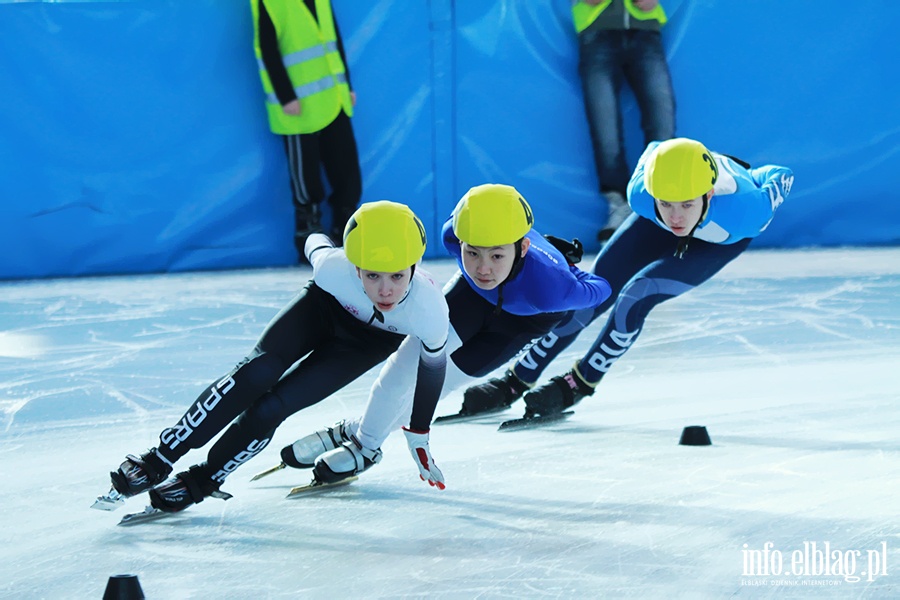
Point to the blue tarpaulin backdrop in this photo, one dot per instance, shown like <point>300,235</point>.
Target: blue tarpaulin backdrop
<point>133,136</point>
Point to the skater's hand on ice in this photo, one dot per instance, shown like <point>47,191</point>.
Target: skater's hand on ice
<point>418,447</point>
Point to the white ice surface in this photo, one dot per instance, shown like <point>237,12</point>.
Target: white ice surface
<point>790,359</point>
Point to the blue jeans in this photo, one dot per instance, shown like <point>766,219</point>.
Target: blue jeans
<point>607,58</point>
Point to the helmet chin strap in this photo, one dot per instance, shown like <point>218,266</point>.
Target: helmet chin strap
<point>516,267</point>
<point>686,240</point>
<point>377,315</point>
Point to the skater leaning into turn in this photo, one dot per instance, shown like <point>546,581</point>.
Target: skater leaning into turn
<point>361,303</point>
<point>696,211</point>
<point>514,286</point>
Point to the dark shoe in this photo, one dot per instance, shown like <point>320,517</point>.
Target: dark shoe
<point>139,474</point>
<point>183,490</point>
<point>307,220</point>
<point>555,396</point>
<point>339,218</point>
<point>493,394</point>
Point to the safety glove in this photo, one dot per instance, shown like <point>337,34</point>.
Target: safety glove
<point>418,447</point>
<point>573,251</point>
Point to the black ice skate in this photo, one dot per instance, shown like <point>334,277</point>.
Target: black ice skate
<point>494,395</point>
<point>135,475</point>
<point>556,395</point>
<point>139,474</point>
<point>183,490</point>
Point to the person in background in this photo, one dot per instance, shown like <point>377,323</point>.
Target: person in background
<point>619,40</point>
<point>309,102</point>
<point>361,303</point>
<point>696,211</point>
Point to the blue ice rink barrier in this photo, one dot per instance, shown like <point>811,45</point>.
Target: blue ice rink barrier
<point>133,136</point>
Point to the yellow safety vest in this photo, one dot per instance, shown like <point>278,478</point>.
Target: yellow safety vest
<point>585,14</point>
<point>310,54</point>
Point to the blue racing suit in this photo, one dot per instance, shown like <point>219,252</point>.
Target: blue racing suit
<point>641,265</point>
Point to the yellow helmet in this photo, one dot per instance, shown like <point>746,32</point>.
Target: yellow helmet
<point>384,236</point>
<point>680,170</point>
<point>492,215</point>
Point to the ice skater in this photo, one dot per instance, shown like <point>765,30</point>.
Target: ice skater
<point>361,303</point>
<point>696,211</point>
<point>513,286</point>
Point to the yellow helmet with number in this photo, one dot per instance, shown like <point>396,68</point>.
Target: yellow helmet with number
<point>679,170</point>
<point>384,236</point>
<point>492,215</point>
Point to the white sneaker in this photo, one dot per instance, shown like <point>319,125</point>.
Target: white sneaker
<point>303,453</point>
<point>351,458</point>
<point>618,212</point>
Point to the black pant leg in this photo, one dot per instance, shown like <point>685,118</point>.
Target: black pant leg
<point>340,158</point>
<point>348,352</point>
<point>634,245</point>
<point>489,340</point>
<point>663,279</point>
<point>294,331</point>
<point>307,189</point>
